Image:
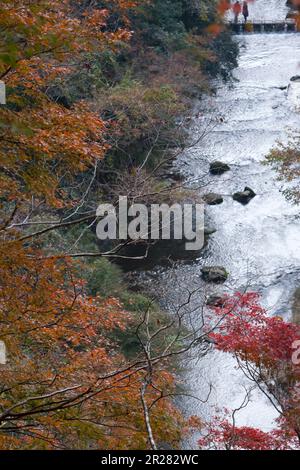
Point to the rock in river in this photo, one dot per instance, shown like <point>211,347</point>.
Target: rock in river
<point>218,168</point>
<point>209,231</point>
<point>244,197</point>
<point>216,274</point>
<point>215,301</point>
<point>213,199</point>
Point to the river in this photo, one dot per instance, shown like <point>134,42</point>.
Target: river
<point>258,244</point>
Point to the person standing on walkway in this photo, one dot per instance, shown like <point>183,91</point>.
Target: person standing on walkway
<point>245,11</point>
<point>237,10</point>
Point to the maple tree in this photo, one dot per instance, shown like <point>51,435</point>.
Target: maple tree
<point>39,42</point>
<point>223,435</point>
<point>264,348</point>
<point>65,385</point>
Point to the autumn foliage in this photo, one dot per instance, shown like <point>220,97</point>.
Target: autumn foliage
<point>65,384</point>
<point>266,351</point>
<point>223,435</point>
<point>41,140</point>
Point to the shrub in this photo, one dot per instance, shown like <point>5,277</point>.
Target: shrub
<point>103,278</point>
<point>145,118</point>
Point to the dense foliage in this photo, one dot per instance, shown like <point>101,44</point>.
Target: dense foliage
<point>285,159</point>
<point>267,351</point>
<point>98,93</point>
<point>92,88</point>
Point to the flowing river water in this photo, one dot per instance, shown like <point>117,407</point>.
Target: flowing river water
<point>258,244</point>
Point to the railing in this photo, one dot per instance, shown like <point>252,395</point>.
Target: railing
<point>288,21</point>
<point>288,25</point>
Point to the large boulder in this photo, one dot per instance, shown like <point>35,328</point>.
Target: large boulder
<point>218,168</point>
<point>213,199</point>
<point>215,301</point>
<point>294,91</point>
<point>244,197</point>
<point>216,274</point>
